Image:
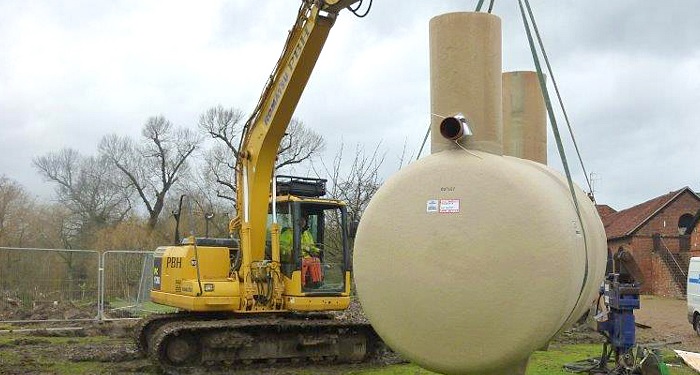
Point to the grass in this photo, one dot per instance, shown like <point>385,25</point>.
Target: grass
<point>675,364</point>
<point>551,361</point>
<point>78,368</point>
<point>14,363</point>
<point>22,353</point>
<point>396,370</point>
<point>7,357</point>
<point>25,353</point>
<point>541,363</point>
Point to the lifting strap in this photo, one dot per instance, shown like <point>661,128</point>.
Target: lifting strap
<point>557,137</point>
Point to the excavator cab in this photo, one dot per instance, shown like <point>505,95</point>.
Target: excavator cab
<point>314,250</point>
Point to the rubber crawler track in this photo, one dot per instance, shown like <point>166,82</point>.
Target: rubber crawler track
<point>211,343</point>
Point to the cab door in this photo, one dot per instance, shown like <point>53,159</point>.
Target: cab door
<point>320,264</point>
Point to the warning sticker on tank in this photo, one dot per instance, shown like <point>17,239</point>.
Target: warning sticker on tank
<point>449,206</point>
<point>431,206</point>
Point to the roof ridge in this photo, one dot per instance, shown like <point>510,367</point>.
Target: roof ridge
<point>625,222</point>
<point>672,195</point>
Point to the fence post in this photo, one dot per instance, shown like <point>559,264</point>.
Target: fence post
<point>101,287</point>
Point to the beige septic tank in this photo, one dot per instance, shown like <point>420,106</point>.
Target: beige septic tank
<point>524,117</point>
<point>467,261</point>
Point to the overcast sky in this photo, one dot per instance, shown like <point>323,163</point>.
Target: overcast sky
<point>72,71</point>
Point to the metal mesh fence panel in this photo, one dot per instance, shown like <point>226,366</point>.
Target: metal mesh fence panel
<point>48,285</point>
<point>127,278</point>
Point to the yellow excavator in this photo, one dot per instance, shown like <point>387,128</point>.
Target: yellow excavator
<point>258,297</point>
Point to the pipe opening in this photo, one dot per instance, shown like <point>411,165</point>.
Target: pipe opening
<point>454,127</point>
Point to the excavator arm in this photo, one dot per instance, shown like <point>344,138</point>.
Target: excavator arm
<point>267,125</point>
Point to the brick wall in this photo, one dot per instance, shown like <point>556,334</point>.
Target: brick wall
<point>659,277</point>
<point>664,283</point>
<point>667,276</point>
<point>695,239</point>
<point>666,221</point>
<point>642,248</point>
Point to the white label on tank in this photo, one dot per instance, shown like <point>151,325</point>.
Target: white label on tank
<point>449,206</point>
<point>431,206</point>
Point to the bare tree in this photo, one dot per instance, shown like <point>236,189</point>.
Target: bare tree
<point>151,167</point>
<point>85,185</point>
<point>355,184</point>
<point>220,172</point>
<point>298,145</point>
<point>225,125</point>
<point>404,158</point>
<point>205,211</point>
<point>24,222</point>
<point>15,206</point>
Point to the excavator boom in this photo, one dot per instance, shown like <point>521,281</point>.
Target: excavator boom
<point>267,125</point>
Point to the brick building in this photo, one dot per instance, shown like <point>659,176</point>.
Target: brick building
<point>662,234</point>
<point>694,233</point>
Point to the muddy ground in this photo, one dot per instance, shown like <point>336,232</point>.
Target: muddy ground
<point>108,348</point>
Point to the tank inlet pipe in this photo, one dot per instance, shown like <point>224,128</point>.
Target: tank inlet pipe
<point>455,127</point>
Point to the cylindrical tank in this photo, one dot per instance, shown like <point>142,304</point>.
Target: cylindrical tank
<point>460,41</point>
<point>524,117</point>
<point>466,262</point>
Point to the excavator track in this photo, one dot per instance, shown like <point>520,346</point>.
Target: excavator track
<point>196,343</point>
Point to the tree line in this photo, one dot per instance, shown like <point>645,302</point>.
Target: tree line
<point>124,196</point>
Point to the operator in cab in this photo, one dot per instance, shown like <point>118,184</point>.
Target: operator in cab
<point>308,244</point>
<point>311,264</point>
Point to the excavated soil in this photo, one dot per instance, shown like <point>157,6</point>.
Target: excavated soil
<point>15,309</point>
<point>108,348</point>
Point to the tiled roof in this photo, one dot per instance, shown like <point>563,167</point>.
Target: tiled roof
<point>624,223</point>
<point>604,210</point>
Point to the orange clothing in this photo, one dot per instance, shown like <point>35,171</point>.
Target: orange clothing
<point>311,270</point>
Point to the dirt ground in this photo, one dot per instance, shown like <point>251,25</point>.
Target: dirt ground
<point>669,323</point>
<point>13,309</point>
<point>107,347</point>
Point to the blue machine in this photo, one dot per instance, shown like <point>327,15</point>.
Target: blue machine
<point>621,295</point>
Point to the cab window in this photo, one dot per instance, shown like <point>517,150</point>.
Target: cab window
<point>284,220</point>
